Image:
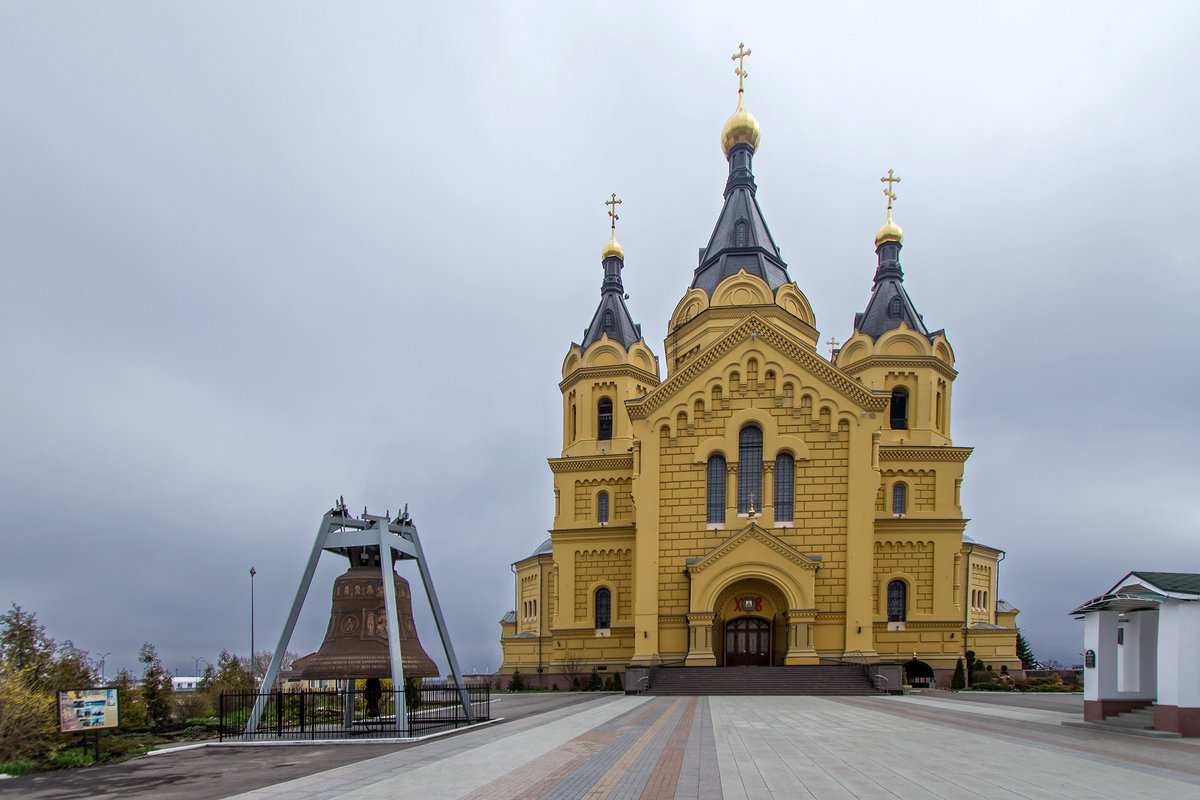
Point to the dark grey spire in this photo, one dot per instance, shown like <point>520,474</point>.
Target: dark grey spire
<point>741,239</point>
<point>889,304</point>
<point>612,315</point>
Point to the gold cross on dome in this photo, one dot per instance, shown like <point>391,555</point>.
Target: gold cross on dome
<point>739,57</point>
<point>833,343</point>
<point>890,181</point>
<point>612,212</point>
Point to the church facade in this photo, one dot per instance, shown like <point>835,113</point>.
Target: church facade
<point>744,500</point>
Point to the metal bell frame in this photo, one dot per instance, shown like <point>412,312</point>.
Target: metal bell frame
<point>395,540</point>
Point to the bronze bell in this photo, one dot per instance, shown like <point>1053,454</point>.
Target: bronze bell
<point>356,643</point>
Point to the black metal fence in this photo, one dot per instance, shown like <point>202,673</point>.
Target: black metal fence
<point>352,712</point>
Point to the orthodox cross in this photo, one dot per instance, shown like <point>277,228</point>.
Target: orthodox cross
<point>739,57</point>
<point>833,343</point>
<point>889,180</point>
<point>612,212</point>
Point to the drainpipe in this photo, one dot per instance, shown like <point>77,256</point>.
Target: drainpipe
<point>539,615</point>
<point>967,617</point>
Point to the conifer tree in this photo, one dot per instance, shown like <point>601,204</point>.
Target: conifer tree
<point>157,689</point>
<point>1025,653</point>
<point>959,681</point>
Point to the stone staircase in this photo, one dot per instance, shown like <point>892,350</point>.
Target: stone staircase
<point>817,680</point>
<point>1139,722</point>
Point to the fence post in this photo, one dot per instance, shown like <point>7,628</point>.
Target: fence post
<point>279,714</point>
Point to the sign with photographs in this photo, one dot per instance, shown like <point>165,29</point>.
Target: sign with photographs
<point>87,710</point>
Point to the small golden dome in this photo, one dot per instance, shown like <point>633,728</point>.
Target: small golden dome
<point>890,232</point>
<point>612,249</point>
<point>741,128</point>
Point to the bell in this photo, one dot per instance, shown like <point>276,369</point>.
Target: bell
<point>356,642</point>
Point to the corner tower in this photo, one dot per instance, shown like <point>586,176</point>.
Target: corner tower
<point>893,351</point>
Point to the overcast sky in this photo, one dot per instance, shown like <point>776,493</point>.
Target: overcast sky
<point>254,256</point>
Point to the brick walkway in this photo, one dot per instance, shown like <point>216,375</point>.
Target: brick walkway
<point>689,748</point>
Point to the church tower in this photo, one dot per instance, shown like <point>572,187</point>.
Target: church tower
<point>762,505</point>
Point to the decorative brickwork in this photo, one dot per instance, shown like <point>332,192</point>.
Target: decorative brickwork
<point>620,498</point>
<point>613,568</point>
<point>922,485</point>
<point>912,560</point>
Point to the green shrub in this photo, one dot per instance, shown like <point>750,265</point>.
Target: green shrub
<point>71,758</point>
<point>594,682</point>
<point>959,681</point>
<point>982,677</point>
<point>554,687</point>
<point>517,682</point>
<point>21,766</point>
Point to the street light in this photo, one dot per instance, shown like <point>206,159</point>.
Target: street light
<point>252,574</point>
<point>106,655</point>
<point>196,662</point>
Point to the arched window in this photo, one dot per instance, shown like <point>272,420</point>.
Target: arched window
<point>899,498</point>
<point>602,507</point>
<point>604,419</point>
<point>716,489</point>
<point>750,457</point>
<point>741,236</point>
<point>785,487</point>
<point>899,409</point>
<point>608,320</point>
<point>603,608</point>
<point>894,308</point>
<point>897,601</point>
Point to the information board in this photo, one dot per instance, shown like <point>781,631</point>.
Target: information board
<point>87,709</point>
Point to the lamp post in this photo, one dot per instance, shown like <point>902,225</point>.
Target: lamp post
<point>252,574</point>
<point>106,655</point>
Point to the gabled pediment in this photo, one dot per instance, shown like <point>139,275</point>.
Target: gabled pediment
<point>766,335</point>
<point>753,543</point>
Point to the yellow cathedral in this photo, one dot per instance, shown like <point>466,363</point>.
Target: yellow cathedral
<point>759,504</point>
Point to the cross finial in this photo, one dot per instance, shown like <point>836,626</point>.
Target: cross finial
<point>739,57</point>
<point>891,195</point>
<point>612,212</point>
<point>833,343</point>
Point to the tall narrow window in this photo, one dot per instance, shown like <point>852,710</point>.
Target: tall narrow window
<point>716,489</point>
<point>897,601</point>
<point>899,498</point>
<point>602,507</point>
<point>741,237</point>
<point>604,419</point>
<point>785,487</point>
<point>894,308</point>
<point>899,409</point>
<point>750,457</point>
<point>603,608</point>
<point>608,320</point>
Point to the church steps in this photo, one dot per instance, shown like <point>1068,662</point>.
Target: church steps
<point>805,680</point>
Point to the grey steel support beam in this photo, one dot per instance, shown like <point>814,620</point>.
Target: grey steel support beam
<point>384,538</point>
<point>427,579</point>
<point>288,627</point>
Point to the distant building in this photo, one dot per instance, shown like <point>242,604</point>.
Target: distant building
<point>762,504</point>
<point>184,684</point>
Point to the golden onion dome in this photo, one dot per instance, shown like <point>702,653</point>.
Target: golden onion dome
<point>890,232</point>
<point>741,128</point>
<point>612,249</point>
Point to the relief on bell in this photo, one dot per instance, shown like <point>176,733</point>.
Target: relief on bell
<point>355,644</point>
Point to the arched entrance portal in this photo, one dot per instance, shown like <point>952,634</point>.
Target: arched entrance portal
<point>748,642</point>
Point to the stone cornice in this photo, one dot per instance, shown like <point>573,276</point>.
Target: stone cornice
<point>612,371</point>
<point>923,453</point>
<point>752,531</point>
<point>588,633</point>
<point>771,335</point>
<point>618,533</point>
<point>596,463</point>
<point>916,527</point>
<point>902,362</point>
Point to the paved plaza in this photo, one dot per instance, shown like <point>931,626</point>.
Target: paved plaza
<point>614,746</point>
